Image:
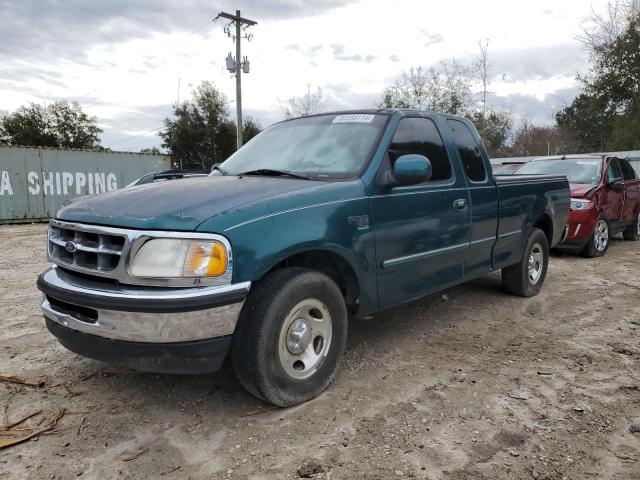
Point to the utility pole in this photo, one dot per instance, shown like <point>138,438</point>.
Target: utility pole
<point>238,65</point>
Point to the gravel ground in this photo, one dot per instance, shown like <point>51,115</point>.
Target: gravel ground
<point>469,384</point>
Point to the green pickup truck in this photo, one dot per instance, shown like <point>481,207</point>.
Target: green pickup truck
<point>315,220</point>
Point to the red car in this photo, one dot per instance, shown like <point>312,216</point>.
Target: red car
<point>605,199</point>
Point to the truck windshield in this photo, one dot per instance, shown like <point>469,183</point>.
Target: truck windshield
<point>319,147</point>
<point>577,170</point>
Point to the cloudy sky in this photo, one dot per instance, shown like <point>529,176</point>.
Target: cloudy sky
<point>127,61</point>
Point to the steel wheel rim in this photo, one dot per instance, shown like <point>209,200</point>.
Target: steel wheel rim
<point>305,338</point>
<point>535,263</point>
<point>601,235</point>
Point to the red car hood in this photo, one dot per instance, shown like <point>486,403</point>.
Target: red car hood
<point>579,190</point>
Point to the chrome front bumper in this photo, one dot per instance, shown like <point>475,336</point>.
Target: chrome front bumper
<point>140,314</point>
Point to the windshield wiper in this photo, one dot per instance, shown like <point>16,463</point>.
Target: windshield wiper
<point>274,173</point>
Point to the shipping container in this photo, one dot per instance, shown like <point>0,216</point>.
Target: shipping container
<point>36,181</point>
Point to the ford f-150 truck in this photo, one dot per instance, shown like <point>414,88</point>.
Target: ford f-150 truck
<point>315,219</point>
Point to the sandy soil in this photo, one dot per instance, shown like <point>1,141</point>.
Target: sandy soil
<point>471,384</point>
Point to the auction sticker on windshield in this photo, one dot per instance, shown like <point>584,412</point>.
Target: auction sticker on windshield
<point>354,118</point>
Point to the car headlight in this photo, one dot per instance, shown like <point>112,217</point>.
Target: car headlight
<point>175,258</point>
<point>580,204</point>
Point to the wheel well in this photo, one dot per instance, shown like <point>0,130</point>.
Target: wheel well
<point>332,265</point>
<point>545,224</point>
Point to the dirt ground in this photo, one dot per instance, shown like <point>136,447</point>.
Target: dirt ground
<point>469,384</point>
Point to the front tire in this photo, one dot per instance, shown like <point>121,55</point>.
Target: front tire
<point>632,232</point>
<point>526,277</point>
<point>598,244</point>
<point>290,337</point>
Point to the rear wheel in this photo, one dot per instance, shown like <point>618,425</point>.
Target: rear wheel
<point>598,244</point>
<point>632,232</point>
<point>526,277</point>
<point>290,336</point>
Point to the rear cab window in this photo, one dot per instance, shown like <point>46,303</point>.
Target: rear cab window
<point>469,151</point>
<point>420,136</point>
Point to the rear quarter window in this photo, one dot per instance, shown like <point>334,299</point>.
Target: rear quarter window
<point>469,151</point>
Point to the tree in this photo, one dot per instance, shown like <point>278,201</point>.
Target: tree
<point>59,125</point>
<point>625,134</point>
<point>590,121</point>
<point>308,104</point>
<point>152,150</point>
<point>494,129</point>
<point>494,126</point>
<point>604,115</point>
<point>606,27</point>
<point>445,87</point>
<point>250,128</point>
<point>482,67</point>
<point>533,140</point>
<point>200,132</point>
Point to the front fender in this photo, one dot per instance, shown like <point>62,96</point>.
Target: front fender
<point>342,227</point>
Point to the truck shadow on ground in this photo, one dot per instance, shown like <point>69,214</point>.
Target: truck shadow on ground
<point>369,339</point>
<point>380,332</point>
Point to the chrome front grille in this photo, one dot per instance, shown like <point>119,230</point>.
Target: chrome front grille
<point>90,250</point>
<point>106,252</point>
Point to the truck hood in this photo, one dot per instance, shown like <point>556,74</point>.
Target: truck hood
<point>580,190</point>
<point>177,204</point>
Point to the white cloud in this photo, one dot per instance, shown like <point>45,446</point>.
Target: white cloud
<point>349,49</point>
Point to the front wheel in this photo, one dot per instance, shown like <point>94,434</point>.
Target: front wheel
<point>598,244</point>
<point>632,232</point>
<point>526,277</point>
<point>290,337</point>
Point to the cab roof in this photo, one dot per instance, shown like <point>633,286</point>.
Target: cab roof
<point>382,111</point>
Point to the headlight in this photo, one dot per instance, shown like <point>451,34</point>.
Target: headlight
<point>174,258</point>
<point>580,204</point>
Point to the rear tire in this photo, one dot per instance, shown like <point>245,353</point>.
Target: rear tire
<point>632,232</point>
<point>290,336</point>
<point>527,276</point>
<point>598,244</point>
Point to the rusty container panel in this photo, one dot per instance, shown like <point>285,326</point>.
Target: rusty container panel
<point>35,182</point>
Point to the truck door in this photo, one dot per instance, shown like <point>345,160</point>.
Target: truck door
<point>612,208</point>
<point>484,199</point>
<point>422,231</point>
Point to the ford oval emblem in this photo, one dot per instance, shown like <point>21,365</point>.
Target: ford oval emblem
<point>71,247</point>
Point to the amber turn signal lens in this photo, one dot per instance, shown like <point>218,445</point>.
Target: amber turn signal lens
<point>205,259</point>
<point>217,261</point>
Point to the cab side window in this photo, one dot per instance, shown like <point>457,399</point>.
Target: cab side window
<point>469,151</point>
<point>420,136</point>
<point>627,170</point>
<point>614,172</point>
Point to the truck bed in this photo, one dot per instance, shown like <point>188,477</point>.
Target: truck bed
<point>524,200</point>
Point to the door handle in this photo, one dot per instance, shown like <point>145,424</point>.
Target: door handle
<point>460,204</point>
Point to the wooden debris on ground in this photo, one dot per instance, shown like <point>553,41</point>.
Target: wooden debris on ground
<point>32,382</point>
<point>258,411</point>
<point>135,455</point>
<point>11,433</point>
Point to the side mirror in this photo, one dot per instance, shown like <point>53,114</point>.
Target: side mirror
<point>410,170</point>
